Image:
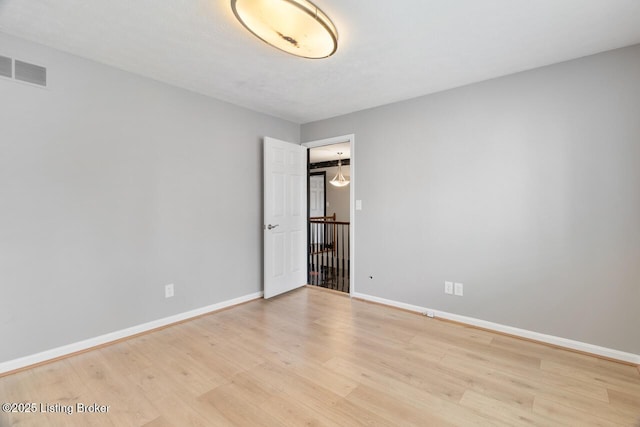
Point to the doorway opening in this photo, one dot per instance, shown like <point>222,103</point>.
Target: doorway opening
<point>330,214</point>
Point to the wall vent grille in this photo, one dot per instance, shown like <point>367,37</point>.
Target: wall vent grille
<point>30,73</point>
<point>6,67</point>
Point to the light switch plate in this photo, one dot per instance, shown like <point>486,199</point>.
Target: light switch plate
<point>358,205</point>
<point>458,289</point>
<point>168,290</point>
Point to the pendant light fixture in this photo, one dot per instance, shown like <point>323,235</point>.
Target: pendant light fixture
<point>297,27</point>
<point>339,180</point>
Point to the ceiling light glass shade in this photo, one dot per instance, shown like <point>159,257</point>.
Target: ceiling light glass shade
<point>339,180</point>
<point>294,26</point>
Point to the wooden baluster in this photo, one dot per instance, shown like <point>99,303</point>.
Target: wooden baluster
<point>348,252</point>
<point>342,261</point>
<point>318,266</point>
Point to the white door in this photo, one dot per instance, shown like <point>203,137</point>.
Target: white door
<point>316,208</point>
<point>316,196</point>
<point>285,216</point>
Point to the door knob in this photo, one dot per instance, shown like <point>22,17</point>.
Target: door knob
<point>270,227</point>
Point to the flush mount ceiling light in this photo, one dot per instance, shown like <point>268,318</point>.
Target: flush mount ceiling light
<point>297,27</point>
<point>339,180</point>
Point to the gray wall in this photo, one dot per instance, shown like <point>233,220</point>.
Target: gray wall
<point>113,185</point>
<point>525,188</point>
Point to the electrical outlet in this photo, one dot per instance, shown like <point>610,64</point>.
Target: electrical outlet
<point>459,289</point>
<point>448,288</point>
<point>168,290</point>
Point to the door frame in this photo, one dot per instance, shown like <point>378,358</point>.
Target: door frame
<point>351,139</point>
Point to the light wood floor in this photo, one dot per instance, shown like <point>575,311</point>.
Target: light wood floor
<point>313,357</point>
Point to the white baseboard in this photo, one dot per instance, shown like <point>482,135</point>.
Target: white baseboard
<point>65,350</point>
<point>536,336</point>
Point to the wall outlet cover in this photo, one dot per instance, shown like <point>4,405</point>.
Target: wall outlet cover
<point>448,288</point>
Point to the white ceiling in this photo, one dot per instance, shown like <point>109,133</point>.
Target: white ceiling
<point>388,50</point>
<point>327,153</point>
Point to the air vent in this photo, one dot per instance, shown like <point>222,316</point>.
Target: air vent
<point>31,73</point>
<point>5,67</point>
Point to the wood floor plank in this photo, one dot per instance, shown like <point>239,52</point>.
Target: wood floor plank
<point>181,410</point>
<point>625,402</point>
<point>566,391</point>
<point>233,403</point>
<point>423,376</point>
<point>503,412</point>
<point>106,386</point>
<point>393,409</point>
<point>311,357</point>
<point>431,404</point>
<point>488,385</point>
<point>560,355</point>
<point>608,379</point>
<point>482,352</point>
<point>565,415</point>
<point>16,388</point>
<point>292,413</point>
<point>158,422</point>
